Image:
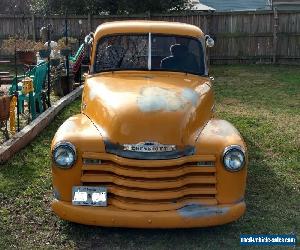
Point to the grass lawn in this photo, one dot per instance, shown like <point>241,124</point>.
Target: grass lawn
<point>262,101</point>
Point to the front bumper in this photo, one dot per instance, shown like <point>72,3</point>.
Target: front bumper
<point>186,217</point>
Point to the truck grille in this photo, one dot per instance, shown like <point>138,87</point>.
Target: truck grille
<point>155,185</point>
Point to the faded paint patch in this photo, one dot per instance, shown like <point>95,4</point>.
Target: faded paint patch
<point>194,210</point>
<point>190,95</point>
<point>68,126</point>
<point>221,128</point>
<point>156,98</point>
<point>203,88</point>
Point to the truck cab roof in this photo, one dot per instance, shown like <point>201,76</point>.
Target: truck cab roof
<point>140,26</point>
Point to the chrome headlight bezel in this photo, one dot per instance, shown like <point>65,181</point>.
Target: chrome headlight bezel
<point>69,146</point>
<point>229,149</point>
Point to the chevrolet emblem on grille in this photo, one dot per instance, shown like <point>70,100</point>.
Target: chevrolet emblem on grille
<point>149,146</point>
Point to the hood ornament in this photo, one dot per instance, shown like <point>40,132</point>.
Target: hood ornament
<point>149,147</point>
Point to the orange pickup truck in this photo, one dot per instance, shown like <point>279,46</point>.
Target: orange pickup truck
<point>146,150</point>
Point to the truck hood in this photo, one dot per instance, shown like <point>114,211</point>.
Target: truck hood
<point>129,108</point>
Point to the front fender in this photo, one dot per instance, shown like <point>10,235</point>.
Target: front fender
<point>214,138</point>
<point>81,132</point>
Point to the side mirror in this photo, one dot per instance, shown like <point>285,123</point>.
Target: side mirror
<point>209,41</point>
<point>89,39</point>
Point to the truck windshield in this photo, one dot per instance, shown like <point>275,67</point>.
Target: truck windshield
<point>150,52</point>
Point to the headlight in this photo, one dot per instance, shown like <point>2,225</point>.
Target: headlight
<point>64,154</point>
<point>234,158</point>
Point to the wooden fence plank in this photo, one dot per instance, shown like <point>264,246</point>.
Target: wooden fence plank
<point>238,34</point>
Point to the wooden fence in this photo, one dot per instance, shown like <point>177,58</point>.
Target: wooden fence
<point>241,37</point>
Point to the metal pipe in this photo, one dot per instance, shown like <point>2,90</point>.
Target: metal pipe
<point>16,72</point>
<point>79,42</point>
<point>49,75</point>
<point>67,56</point>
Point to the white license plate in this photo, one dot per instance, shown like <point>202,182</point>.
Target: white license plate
<point>89,196</point>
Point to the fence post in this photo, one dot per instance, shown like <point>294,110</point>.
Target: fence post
<point>33,27</point>
<point>275,31</point>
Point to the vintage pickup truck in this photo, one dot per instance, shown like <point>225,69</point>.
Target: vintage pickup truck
<point>146,150</point>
